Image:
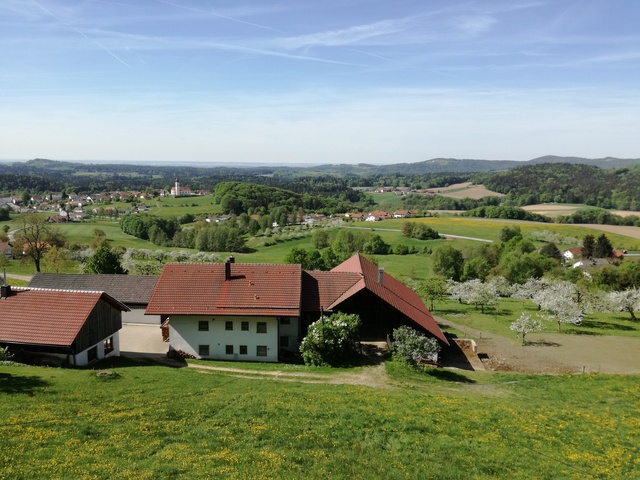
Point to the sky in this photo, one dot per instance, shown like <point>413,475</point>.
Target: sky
<point>306,81</point>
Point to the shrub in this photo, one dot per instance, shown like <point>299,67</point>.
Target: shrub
<point>331,341</point>
<point>412,347</point>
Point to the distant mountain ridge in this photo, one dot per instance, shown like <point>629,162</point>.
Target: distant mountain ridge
<point>434,165</point>
<point>454,165</point>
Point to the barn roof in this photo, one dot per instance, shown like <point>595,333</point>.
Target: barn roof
<point>128,289</point>
<point>47,317</point>
<point>251,290</point>
<point>392,291</point>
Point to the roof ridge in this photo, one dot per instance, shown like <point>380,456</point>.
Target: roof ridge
<point>41,289</point>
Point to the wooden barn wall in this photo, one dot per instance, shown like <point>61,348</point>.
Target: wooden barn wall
<point>379,319</point>
<point>104,321</point>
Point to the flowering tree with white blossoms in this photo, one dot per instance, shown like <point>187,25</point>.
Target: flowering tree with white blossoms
<point>526,324</point>
<point>558,301</point>
<point>475,292</point>
<point>624,301</point>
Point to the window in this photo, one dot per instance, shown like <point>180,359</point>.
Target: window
<point>228,325</point>
<point>92,354</point>
<point>285,321</point>
<point>203,350</point>
<point>203,326</point>
<point>243,349</point>
<point>108,345</point>
<point>228,349</point>
<point>261,327</point>
<point>284,342</point>
<point>244,326</point>
<point>261,351</point>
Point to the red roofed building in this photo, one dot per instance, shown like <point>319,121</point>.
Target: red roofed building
<point>75,327</point>
<point>258,311</point>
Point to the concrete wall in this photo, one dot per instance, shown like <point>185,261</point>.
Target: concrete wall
<point>184,335</point>
<point>136,315</point>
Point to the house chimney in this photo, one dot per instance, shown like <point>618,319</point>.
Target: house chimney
<point>380,275</point>
<point>227,269</point>
<point>232,259</point>
<point>5,291</point>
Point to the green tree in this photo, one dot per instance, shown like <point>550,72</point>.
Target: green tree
<point>551,250</point>
<point>477,267</point>
<point>448,262</point>
<point>103,260</point>
<point>603,247</point>
<point>434,289</point>
<point>509,232</point>
<point>588,246</point>
<point>57,260</point>
<point>320,238</point>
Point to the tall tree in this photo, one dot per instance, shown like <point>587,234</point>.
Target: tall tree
<point>104,260</point>
<point>603,247</point>
<point>588,246</point>
<point>448,262</point>
<point>36,236</point>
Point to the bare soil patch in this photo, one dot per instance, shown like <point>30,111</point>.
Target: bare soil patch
<point>467,190</point>
<point>556,353</point>
<point>633,232</point>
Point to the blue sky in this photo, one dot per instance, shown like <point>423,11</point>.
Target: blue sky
<point>333,81</point>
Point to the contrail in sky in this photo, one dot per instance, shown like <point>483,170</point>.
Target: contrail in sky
<point>82,33</point>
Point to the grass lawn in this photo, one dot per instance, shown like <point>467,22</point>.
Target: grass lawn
<point>160,422</point>
<point>176,207</point>
<point>497,320</point>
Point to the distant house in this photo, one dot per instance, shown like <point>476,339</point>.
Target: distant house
<point>572,253</point>
<point>378,216</point>
<point>5,249</point>
<point>259,312</point>
<point>356,216</point>
<point>59,326</point>
<point>401,214</point>
<point>133,291</point>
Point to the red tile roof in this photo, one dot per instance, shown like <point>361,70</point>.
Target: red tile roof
<point>392,291</point>
<point>253,290</point>
<point>320,290</point>
<point>47,317</point>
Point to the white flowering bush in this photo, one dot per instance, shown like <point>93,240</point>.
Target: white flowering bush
<point>332,341</point>
<point>413,347</point>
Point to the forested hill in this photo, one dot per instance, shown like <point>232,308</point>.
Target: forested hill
<point>569,183</point>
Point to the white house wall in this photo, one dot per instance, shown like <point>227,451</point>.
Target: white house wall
<point>81,359</point>
<point>136,315</point>
<point>185,335</point>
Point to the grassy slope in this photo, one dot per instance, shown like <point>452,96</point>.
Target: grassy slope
<point>160,422</point>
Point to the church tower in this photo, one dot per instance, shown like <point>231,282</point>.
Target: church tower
<point>177,188</point>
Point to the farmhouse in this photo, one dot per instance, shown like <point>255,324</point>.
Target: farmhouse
<point>261,312</point>
<point>63,326</point>
<point>133,291</point>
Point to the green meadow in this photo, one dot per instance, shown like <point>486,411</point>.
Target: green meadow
<point>151,421</point>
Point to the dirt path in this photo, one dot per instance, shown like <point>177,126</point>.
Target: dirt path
<point>370,376</point>
<point>555,353</point>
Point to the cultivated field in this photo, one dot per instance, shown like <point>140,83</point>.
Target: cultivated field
<point>467,190</point>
